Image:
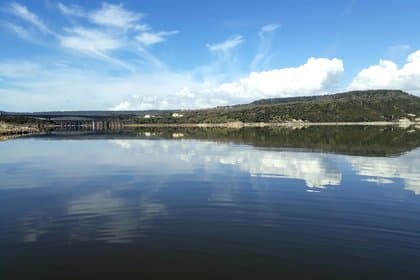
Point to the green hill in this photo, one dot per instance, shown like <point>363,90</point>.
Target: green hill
<point>355,106</point>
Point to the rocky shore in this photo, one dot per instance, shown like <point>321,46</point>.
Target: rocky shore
<point>12,130</point>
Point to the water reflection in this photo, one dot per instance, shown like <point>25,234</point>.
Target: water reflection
<point>143,169</point>
<point>200,197</point>
<point>317,170</point>
<point>52,161</point>
<point>385,170</point>
<point>117,226</point>
<point>352,140</point>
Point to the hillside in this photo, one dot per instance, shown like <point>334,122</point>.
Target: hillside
<point>356,106</point>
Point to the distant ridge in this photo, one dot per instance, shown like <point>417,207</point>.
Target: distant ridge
<point>353,106</point>
<point>341,97</point>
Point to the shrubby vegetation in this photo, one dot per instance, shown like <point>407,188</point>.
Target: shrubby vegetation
<point>21,120</point>
<point>356,106</point>
<point>19,125</point>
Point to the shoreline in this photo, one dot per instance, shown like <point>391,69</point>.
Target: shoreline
<point>12,130</point>
<point>9,130</point>
<point>279,124</point>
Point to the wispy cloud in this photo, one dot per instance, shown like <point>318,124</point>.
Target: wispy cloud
<point>109,15</point>
<point>18,30</point>
<point>95,43</point>
<point>91,41</point>
<point>226,45</point>
<point>269,28</point>
<point>71,10</point>
<point>23,13</point>
<point>151,38</point>
<point>114,28</point>
<point>224,65</point>
<point>263,56</point>
<point>115,16</point>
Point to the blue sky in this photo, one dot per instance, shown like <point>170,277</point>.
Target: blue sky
<point>69,55</point>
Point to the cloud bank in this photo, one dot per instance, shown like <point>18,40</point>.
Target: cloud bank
<point>316,76</point>
<point>387,74</point>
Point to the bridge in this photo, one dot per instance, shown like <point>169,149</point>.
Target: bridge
<point>73,122</point>
<point>82,120</point>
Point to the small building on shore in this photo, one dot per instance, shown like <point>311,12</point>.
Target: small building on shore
<point>177,115</point>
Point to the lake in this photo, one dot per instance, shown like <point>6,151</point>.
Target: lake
<point>330,203</point>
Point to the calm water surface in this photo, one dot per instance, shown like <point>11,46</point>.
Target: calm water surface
<point>152,207</point>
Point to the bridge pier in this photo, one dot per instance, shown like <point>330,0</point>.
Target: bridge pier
<point>83,123</point>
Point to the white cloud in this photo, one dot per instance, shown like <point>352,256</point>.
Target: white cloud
<point>71,10</point>
<point>226,45</point>
<point>269,28</point>
<point>115,16</point>
<point>18,30</point>
<point>123,106</point>
<point>97,43</point>
<point>387,74</point>
<point>114,28</point>
<point>89,40</point>
<point>26,15</point>
<point>151,38</point>
<point>264,54</point>
<point>316,76</point>
<point>109,15</point>
<point>185,98</point>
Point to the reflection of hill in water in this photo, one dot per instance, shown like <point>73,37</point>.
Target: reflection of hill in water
<point>352,140</point>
